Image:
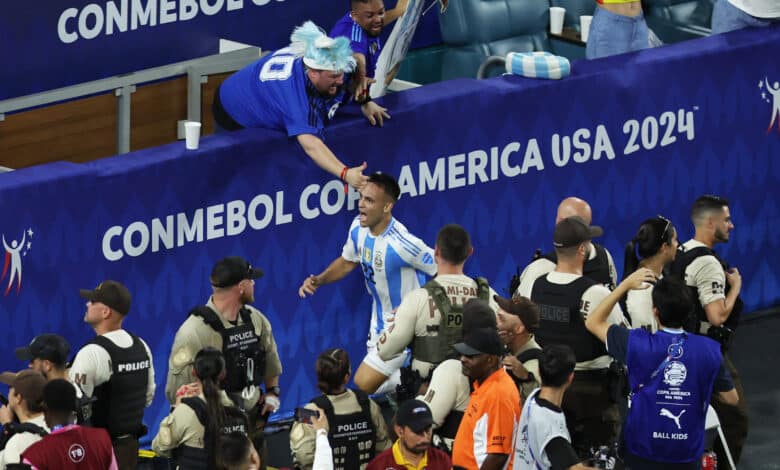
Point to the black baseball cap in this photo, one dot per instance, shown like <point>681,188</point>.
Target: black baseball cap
<point>415,415</point>
<point>47,346</point>
<point>114,294</point>
<point>232,270</point>
<point>481,341</point>
<point>477,313</point>
<point>572,231</point>
<point>521,307</point>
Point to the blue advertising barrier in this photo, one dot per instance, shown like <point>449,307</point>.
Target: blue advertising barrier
<point>49,44</point>
<point>635,135</point>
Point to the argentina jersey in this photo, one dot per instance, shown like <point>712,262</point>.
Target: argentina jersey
<point>393,263</point>
<point>360,41</point>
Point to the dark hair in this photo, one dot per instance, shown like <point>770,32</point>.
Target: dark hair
<point>673,300</point>
<point>331,367</point>
<point>707,203</point>
<point>210,369</point>
<point>59,396</point>
<point>387,183</point>
<point>556,364</point>
<point>567,251</point>
<point>233,450</point>
<point>650,237</point>
<point>454,243</point>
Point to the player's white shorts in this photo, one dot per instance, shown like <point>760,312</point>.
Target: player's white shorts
<point>391,369</point>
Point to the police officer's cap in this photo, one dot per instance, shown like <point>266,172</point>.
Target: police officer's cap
<point>110,293</point>
<point>232,270</point>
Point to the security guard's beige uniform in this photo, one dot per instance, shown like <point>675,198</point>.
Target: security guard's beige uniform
<point>303,436</point>
<point>194,335</point>
<point>182,428</point>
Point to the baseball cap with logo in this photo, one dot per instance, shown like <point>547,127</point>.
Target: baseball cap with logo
<point>47,346</point>
<point>111,293</point>
<point>27,383</point>
<point>415,415</point>
<point>572,231</point>
<point>521,307</point>
<point>481,341</point>
<point>232,270</point>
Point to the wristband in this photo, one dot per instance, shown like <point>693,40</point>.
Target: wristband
<point>343,176</point>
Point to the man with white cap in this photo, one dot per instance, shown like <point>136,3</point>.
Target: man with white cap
<point>297,90</point>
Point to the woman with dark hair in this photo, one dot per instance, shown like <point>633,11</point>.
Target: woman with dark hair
<point>364,432</point>
<point>202,413</point>
<point>653,247</point>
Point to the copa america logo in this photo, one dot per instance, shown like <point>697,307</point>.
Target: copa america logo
<point>17,249</point>
<point>771,94</point>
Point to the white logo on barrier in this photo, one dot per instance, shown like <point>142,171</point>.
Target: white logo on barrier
<point>668,414</point>
<point>771,94</point>
<point>13,259</point>
<point>675,373</point>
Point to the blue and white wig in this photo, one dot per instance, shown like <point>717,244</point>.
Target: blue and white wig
<point>319,51</point>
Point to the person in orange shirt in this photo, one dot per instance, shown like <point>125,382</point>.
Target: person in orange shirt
<point>485,437</point>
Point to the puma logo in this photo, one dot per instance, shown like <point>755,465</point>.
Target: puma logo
<point>668,414</point>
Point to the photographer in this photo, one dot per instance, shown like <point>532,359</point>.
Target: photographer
<point>25,396</point>
<point>355,427</point>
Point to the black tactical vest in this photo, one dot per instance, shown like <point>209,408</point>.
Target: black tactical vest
<point>560,319</point>
<point>193,458</point>
<point>435,349</point>
<point>120,402</point>
<point>244,357</point>
<point>13,428</point>
<point>352,436</point>
<point>596,268</point>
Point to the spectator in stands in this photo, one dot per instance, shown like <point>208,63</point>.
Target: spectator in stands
<point>730,15</point>
<point>116,368</point>
<point>236,452</point>
<point>542,441</point>
<point>599,264</point>
<point>618,26</point>
<point>413,426</point>
<point>345,409</point>
<point>429,319</point>
<point>296,90</point>
<point>48,354</point>
<point>517,320</point>
<point>484,438</point>
<point>565,298</point>
<point>68,446</point>
<point>202,414</point>
<point>393,262</point>
<point>22,420</point>
<point>449,389</point>
<point>363,25</point>
<point>682,368</point>
<point>656,245</point>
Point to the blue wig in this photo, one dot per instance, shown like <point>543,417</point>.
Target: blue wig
<point>319,51</point>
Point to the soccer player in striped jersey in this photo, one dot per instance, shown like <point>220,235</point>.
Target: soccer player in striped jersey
<point>394,262</point>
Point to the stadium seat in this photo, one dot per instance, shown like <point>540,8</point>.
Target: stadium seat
<point>712,423</point>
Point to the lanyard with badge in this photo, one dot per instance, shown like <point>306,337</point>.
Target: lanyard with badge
<point>674,351</point>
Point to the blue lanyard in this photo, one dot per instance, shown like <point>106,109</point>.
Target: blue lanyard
<point>675,346</point>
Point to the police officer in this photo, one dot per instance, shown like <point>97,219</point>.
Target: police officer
<point>429,319</point>
<point>672,375</point>
<point>202,414</point>
<point>517,319</point>
<point>599,264</point>
<point>116,368</point>
<point>565,298</point>
<point>356,429</point>
<point>228,323</point>
<point>718,310</point>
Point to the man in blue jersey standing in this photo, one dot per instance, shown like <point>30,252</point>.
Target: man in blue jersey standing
<point>298,90</point>
<point>363,25</point>
<point>394,262</point>
<point>671,375</point>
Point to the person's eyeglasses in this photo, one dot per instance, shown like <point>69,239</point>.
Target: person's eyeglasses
<point>666,227</point>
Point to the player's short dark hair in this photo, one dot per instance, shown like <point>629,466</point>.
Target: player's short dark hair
<point>332,365</point>
<point>387,183</point>
<point>673,300</point>
<point>355,2</point>
<point>556,364</point>
<point>233,450</point>
<point>59,396</point>
<point>454,243</point>
<point>706,204</point>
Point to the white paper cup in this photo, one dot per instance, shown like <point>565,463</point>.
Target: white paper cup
<point>192,134</point>
<point>556,19</point>
<point>585,27</point>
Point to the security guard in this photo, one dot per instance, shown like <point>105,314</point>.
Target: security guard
<point>565,298</point>
<point>599,264</point>
<point>243,334</point>
<point>356,428</point>
<point>719,307</point>
<point>116,368</point>
<point>517,320</point>
<point>429,319</point>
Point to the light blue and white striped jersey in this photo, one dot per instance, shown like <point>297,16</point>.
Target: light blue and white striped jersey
<point>394,263</point>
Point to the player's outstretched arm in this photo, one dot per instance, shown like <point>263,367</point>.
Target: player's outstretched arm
<point>339,268</point>
<point>327,160</point>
